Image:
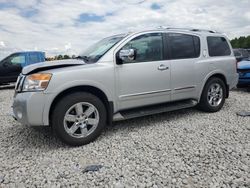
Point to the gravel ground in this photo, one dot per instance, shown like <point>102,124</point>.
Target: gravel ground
<point>185,148</point>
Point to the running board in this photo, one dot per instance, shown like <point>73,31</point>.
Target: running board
<point>154,109</point>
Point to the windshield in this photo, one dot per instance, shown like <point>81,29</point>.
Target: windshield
<point>244,53</point>
<point>236,53</point>
<point>96,51</point>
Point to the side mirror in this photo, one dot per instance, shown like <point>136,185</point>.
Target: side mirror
<point>127,55</point>
<point>5,64</point>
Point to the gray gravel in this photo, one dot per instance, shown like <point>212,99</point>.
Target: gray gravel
<point>186,148</point>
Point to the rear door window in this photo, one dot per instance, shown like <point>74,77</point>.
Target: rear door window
<point>183,46</point>
<point>218,46</point>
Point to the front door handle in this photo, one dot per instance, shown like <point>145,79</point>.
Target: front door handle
<point>163,67</point>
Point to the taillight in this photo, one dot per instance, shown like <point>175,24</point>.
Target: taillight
<point>236,64</point>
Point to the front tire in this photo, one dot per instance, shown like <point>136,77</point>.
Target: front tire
<point>79,118</point>
<point>213,95</point>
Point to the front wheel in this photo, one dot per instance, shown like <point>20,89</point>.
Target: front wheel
<point>213,95</point>
<point>79,118</point>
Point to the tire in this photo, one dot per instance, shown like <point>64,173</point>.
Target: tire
<point>241,86</point>
<point>79,118</point>
<point>213,101</point>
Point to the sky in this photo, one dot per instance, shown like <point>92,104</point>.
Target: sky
<point>70,26</point>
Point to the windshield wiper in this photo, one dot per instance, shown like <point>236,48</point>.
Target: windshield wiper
<point>85,58</point>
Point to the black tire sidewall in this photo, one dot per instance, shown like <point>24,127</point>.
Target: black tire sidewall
<point>204,104</point>
<point>61,108</point>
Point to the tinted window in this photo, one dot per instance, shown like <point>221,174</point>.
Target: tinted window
<point>184,46</point>
<point>148,47</point>
<point>34,58</point>
<point>218,46</point>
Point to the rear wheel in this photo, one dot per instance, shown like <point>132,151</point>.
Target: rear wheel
<point>213,95</point>
<point>79,118</point>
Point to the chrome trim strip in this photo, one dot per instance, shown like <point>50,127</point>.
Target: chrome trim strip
<point>19,83</point>
<point>145,93</point>
<point>181,88</point>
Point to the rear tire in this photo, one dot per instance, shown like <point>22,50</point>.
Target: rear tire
<point>242,86</point>
<point>213,95</point>
<point>79,118</point>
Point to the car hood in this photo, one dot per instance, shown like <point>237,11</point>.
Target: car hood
<point>51,65</point>
<point>244,64</point>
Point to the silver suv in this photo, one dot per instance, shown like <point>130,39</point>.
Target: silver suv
<point>126,76</point>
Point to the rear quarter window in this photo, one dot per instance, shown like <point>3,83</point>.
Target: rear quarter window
<point>218,46</point>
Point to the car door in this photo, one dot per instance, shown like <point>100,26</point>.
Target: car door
<point>184,54</point>
<point>11,67</point>
<point>146,79</point>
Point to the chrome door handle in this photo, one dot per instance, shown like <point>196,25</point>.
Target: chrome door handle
<point>163,67</point>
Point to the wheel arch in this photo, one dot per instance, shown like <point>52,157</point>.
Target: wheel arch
<point>85,88</point>
<point>217,75</point>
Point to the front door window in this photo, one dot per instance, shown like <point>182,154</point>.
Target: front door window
<point>148,47</point>
<point>17,60</point>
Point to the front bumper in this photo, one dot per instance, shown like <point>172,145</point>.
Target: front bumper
<point>28,108</point>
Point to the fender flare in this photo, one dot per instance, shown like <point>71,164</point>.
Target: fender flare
<point>218,73</point>
<point>67,86</point>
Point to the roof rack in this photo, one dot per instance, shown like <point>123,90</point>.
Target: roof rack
<point>188,29</point>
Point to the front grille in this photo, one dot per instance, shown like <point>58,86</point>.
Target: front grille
<point>19,83</point>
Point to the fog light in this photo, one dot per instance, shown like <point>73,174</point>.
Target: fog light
<point>19,115</point>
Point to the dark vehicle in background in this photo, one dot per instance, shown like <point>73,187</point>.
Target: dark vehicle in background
<point>241,54</point>
<point>12,65</point>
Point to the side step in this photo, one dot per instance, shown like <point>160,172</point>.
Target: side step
<point>154,109</point>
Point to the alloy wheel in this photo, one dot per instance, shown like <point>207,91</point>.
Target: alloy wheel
<point>81,119</point>
<point>215,94</point>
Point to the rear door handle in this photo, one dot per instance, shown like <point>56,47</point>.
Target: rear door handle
<point>163,67</point>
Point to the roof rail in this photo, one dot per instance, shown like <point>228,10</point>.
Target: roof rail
<point>188,29</point>
<point>206,30</point>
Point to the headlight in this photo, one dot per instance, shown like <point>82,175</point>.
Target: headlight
<point>36,82</point>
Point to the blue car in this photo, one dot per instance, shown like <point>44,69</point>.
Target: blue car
<point>244,73</point>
